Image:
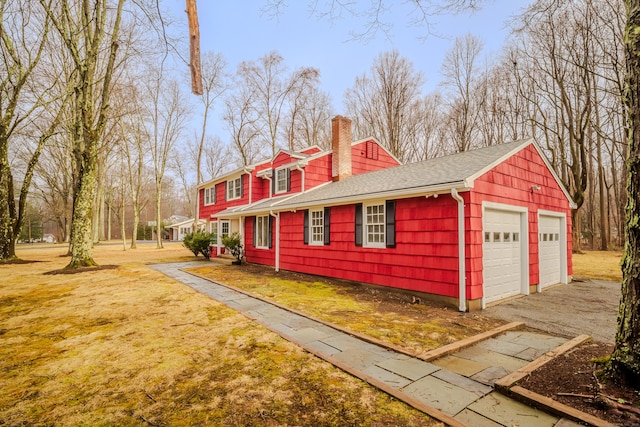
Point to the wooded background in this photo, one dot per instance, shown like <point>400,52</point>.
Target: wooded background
<point>559,79</point>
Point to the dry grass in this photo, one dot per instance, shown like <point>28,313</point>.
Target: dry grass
<point>598,265</point>
<point>130,346</point>
<point>385,315</point>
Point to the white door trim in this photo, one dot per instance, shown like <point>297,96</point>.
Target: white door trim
<point>524,247</point>
<point>564,277</point>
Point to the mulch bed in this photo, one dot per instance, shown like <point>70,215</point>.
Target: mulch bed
<point>18,261</point>
<point>572,379</point>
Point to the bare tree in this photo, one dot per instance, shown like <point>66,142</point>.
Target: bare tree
<point>625,360</point>
<point>166,111</point>
<point>309,120</point>
<point>90,34</point>
<point>381,104</point>
<point>24,35</point>
<point>242,123</point>
<point>462,78</point>
<point>271,87</point>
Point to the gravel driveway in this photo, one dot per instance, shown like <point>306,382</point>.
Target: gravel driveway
<point>581,307</point>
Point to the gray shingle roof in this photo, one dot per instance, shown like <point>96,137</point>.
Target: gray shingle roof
<point>438,173</point>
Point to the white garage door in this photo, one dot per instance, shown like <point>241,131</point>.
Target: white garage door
<point>502,257</point>
<point>549,228</point>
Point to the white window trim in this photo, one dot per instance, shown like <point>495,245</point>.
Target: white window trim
<point>313,242</point>
<point>365,226</point>
<point>265,244</point>
<point>209,195</point>
<point>231,188</point>
<point>213,227</point>
<point>278,190</point>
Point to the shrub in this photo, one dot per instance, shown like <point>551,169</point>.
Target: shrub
<point>199,243</point>
<point>233,243</point>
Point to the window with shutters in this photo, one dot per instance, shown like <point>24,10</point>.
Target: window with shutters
<point>374,226</point>
<point>210,195</point>
<point>234,188</point>
<point>282,180</point>
<point>317,227</point>
<point>262,232</point>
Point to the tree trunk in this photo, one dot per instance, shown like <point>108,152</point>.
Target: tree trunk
<point>159,227</point>
<point>82,220</point>
<point>625,360</point>
<point>7,207</point>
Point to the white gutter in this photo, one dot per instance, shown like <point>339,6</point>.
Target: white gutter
<point>248,172</point>
<point>462,304</point>
<point>277,217</point>
<point>301,169</point>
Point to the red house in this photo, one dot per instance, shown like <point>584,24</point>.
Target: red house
<point>468,229</point>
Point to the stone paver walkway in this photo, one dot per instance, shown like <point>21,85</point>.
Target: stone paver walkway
<point>457,389</point>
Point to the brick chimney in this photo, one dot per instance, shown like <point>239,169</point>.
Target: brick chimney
<point>341,148</point>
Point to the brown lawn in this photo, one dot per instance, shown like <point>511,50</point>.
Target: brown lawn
<point>129,346</point>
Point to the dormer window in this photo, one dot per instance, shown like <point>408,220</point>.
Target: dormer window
<point>282,180</point>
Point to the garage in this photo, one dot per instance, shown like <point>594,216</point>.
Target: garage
<point>502,254</point>
<point>550,249</point>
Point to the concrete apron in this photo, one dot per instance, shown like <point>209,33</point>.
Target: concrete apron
<point>454,384</point>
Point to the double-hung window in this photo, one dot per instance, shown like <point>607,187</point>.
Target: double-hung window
<point>262,238</point>
<point>210,195</point>
<point>282,183</point>
<point>374,226</point>
<point>317,227</point>
<point>234,188</point>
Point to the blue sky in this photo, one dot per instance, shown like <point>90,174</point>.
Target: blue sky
<point>240,31</point>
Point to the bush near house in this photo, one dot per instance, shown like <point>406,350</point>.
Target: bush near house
<point>233,243</point>
<point>199,243</point>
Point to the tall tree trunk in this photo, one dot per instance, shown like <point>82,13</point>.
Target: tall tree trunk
<point>159,227</point>
<point>7,206</point>
<point>82,221</point>
<point>625,360</point>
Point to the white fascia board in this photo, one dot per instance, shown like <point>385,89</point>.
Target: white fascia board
<point>460,186</point>
<point>572,204</point>
<point>227,176</point>
<point>492,165</point>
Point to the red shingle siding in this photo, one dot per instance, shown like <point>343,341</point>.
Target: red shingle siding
<point>362,164</point>
<point>424,259</point>
<point>511,183</point>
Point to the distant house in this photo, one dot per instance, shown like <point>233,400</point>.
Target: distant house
<point>468,229</point>
<point>178,230</point>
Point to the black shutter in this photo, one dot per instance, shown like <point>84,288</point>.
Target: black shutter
<point>242,179</point>
<point>358,221</point>
<point>306,227</point>
<point>270,228</point>
<point>255,231</point>
<point>288,179</point>
<point>390,223</point>
<point>327,226</point>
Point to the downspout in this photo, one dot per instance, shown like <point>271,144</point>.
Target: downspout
<point>250,186</point>
<point>268,178</point>
<point>302,171</point>
<point>277,217</point>
<point>462,303</point>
